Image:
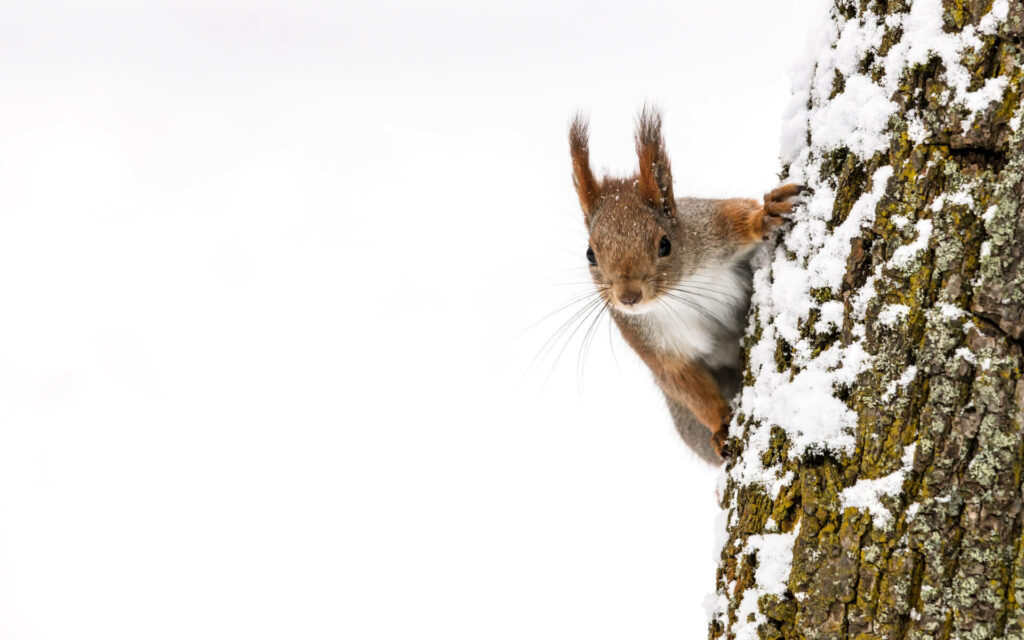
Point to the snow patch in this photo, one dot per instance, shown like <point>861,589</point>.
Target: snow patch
<point>924,37</point>
<point>996,16</point>
<point>892,314</point>
<point>966,354</point>
<point>916,129</point>
<point>961,196</point>
<point>867,494</point>
<point>830,316</point>
<point>906,378</point>
<point>950,312</point>
<point>774,561</point>
<point>858,117</point>
<point>912,511</point>
<point>904,255</point>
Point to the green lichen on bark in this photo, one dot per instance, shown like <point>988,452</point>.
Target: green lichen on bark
<point>950,561</point>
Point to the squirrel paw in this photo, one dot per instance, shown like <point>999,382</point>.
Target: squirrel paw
<point>780,202</point>
<point>719,441</point>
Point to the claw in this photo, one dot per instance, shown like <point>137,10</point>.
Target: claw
<point>719,442</point>
<point>782,200</point>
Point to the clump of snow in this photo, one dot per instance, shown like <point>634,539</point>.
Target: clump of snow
<point>906,378</point>
<point>989,214</point>
<point>856,119</point>
<point>916,129</point>
<point>966,354</point>
<point>720,527</point>
<point>774,559</point>
<point>904,255</point>
<point>950,312</point>
<point>830,315</point>
<point>715,605</point>
<point>863,296</point>
<point>892,314</point>
<point>986,248</point>
<point>867,493</point>
<point>912,511</point>
<point>961,196</point>
<point>774,553</point>
<point>989,24</point>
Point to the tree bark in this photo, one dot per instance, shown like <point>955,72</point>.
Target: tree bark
<point>874,489</point>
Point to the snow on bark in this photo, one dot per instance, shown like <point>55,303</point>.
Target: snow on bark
<point>874,490</point>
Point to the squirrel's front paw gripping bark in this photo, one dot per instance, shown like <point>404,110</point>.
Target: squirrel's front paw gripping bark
<point>778,203</point>
<point>720,439</point>
<point>674,274</point>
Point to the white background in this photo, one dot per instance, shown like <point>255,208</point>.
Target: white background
<point>268,273</point>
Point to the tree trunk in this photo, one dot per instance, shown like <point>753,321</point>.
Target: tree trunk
<point>875,485</point>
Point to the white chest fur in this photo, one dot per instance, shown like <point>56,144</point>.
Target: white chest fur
<point>701,318</point>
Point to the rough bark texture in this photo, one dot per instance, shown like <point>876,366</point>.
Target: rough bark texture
<point>944,558</point>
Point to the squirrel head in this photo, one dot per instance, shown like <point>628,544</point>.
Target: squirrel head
<point>635,251</point>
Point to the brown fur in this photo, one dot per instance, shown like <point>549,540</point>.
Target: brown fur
<point>583,178</point>
<point>654,179</point>
<point>752,221</point>
<point>627,220</point>
<point>689,383</point>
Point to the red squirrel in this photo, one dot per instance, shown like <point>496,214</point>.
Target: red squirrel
<point>675,275</point>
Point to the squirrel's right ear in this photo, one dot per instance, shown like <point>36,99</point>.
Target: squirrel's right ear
<point>582,177</point>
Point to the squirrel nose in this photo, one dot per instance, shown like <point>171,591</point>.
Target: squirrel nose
<point>630,297</point>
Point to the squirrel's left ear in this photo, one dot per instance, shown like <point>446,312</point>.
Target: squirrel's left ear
<point>587,187</point>
<point>655,183</point>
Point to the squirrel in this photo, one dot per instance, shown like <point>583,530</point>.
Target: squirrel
<point>675,275</point>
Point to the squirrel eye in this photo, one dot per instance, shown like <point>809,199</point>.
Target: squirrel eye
<point>591,258</point>
<point>664,247</point>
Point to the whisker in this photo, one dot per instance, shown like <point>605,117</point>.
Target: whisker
<point>575,270</point>
<point>611,346</point>
<point>706,286</point>
<point>575,300</point>
<point>703,286</point>
<point>674,312</point>
<point>693,304</point>
<point>591,307</point>
<point>587,340</point>
<point>724,299</point>
<point>705,293</point>
<point>715,282</point>
<point>717,285</point>
<point>551,342</point>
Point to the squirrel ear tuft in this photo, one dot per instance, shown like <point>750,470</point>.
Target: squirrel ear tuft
<point>655,182</point>
<point>582,177</point>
